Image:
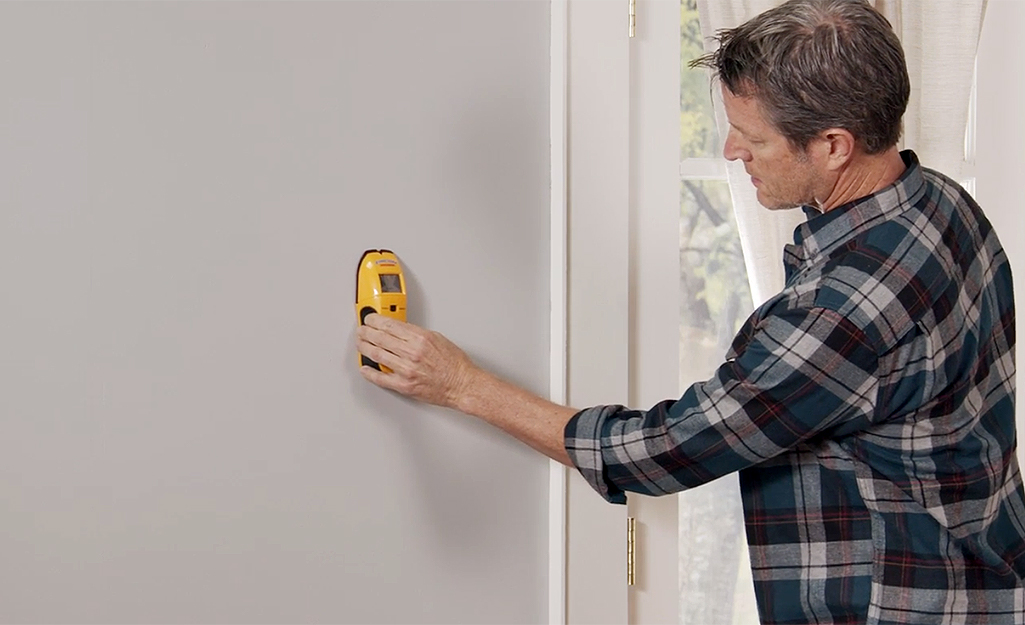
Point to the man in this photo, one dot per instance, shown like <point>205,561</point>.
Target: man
<point>869,406</point>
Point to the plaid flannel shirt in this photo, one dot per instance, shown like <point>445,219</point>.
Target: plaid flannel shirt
<point>869,408</point>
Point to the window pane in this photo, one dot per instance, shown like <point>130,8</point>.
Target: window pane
<point>698,135</point>
<point>715,577</point>
<point>716,297</point>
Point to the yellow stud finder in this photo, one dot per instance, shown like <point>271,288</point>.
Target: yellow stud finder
<point>380,288</point>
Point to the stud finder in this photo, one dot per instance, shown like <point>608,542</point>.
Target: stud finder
<point>380,288</point>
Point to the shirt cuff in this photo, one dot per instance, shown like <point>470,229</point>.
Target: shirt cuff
<point>582,439</point>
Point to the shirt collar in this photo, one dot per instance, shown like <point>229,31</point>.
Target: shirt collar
<point>825,232</point>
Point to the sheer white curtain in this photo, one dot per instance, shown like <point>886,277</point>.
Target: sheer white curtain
<point>940,40</point>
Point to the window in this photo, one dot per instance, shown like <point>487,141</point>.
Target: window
<point>715,576</point>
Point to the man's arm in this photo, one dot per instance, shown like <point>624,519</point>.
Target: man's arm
<point>797,374</point>
<point>428,367</point>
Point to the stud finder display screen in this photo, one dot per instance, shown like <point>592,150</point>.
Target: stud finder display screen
<point>390,283</point>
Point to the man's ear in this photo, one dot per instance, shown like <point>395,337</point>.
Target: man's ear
<point>837,147</point>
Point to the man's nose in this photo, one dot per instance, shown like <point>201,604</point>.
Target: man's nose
<point>730,150</point>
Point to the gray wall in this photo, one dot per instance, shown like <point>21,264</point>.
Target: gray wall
<point>185,191</point>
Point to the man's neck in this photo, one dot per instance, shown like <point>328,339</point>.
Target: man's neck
<point>864,175</point>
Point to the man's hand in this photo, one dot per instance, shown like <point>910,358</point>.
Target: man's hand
<point>425,365</point>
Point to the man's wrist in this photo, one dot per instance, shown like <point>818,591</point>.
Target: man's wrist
<point>469,390</point>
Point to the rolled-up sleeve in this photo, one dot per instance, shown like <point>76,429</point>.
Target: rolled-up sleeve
<point>799,373</point>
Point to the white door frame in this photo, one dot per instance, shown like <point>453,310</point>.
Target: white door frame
<point>655,285</point>
<point>614,301</point>
<point>1001,96</point>
<point>557,335</point>
<point>590,291</point>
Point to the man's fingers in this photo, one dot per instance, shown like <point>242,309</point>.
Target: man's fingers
<point>384,340</point>
<point>379,355</point>
<point>396,328</point>
<point>380,378</point>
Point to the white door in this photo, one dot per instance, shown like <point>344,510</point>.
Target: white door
<point>597,141</point>
<point>185,191</point>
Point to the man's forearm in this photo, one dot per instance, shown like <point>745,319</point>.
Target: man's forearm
<point>531,419</point>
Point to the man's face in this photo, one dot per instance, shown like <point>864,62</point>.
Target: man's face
<point>783,176</point>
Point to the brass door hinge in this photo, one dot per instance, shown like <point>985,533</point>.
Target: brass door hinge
<point>633,18</point>
<point>631,550</point>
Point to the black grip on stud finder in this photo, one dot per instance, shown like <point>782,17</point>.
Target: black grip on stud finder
<point>367,310</point>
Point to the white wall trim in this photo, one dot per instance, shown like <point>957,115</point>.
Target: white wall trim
<point>598,261</point>
<point>558,262</point>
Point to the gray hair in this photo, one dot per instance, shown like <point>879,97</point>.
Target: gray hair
<point>818,64</point>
